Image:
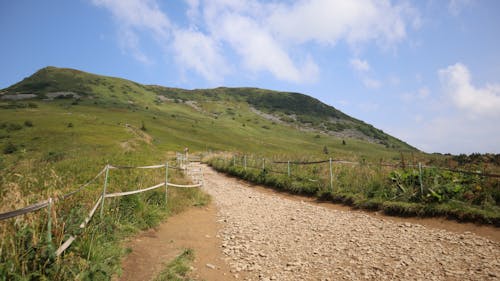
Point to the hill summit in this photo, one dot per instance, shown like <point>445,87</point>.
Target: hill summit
<point>241,106</point>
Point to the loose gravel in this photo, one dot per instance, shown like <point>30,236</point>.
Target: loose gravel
<point>268,237</point>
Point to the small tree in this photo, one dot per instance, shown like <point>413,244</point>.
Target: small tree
<point>325,149</point>
<point>343,142</point>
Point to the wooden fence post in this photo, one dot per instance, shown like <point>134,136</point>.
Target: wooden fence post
<point>166,183</point>
<point>49,223</point>
<point>288,168</point>
<point>420,178</point>
<point>245,162</point>
<point>263,164</point>
<point>331,176</point>
<point>104,189</point>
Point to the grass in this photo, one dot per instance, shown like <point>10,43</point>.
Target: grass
<point>395,191</point>
<point>52,159</point>
<point>178,269</point>
<point>49,147</point>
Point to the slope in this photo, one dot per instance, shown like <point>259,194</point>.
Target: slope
<point>256,119</point>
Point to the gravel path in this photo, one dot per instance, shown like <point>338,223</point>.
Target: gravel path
<point>273,238</point>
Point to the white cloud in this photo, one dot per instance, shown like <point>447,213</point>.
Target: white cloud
<point>138,14</point>
<point>329,21</point>
<point>359,65</point>
<point>265,36</point>
<point>453,133</point>
<point>464,119</point>
<point>259,51</point>
<point>456,83</point>
<point>362,67</point>
<point>129,43</point>
<point>421,94</point>
<point>194,50</point>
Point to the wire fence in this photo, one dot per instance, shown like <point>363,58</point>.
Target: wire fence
<point>101,199</point>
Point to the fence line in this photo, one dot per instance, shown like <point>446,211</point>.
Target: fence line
<point>25,210</point>
<point>65,196</point>
<point>387,165</point>
<point>100,201</point>
<point>242,161</point>
<point>117,194</point>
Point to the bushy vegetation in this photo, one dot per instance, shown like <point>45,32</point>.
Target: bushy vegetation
<point>49,160</point>
<point>397,191</point>
<point>28,254</point>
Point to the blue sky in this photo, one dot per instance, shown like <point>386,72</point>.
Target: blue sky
<point>427,72</point>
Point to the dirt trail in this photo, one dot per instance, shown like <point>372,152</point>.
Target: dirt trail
<point>195,228</point>
<point>271,237</point>
<point>251,233</point>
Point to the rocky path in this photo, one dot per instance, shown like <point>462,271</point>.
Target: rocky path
<point>266,237</point>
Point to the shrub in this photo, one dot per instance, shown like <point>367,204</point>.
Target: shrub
<point>9,148</point>
<point>28,123</point>
<point>53,156</point>
<point>13,127</point>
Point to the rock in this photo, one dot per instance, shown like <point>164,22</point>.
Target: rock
<point>211,266</point>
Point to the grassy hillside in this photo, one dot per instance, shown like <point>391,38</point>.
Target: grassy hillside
<point>255,119</point>
<point>59,127</point>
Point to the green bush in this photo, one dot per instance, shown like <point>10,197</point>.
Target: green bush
<point>9,148</point>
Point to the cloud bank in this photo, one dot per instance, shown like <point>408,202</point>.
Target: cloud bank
<point>456,83</point>
<point>265,37</point>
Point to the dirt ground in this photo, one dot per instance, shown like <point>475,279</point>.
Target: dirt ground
<point>196,229</point>
<point>253,233</point>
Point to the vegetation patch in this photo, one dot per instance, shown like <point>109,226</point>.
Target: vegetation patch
<point>395,191</point>
<point>178,269</point>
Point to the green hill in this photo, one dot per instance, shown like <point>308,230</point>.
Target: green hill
<point>59,128</point>
<point>238,119</point>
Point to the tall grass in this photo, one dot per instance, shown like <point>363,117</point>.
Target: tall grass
<point>396,191</point>
<point>26,253</point>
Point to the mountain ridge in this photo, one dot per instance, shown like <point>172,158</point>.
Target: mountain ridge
<point>292,109</point>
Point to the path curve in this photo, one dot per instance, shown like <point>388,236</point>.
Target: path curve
<point>269,237</point>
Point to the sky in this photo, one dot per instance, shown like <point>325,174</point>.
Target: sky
<point>427,71</point>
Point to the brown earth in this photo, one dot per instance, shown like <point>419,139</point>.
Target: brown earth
<point>195,229</point>
<point>253,233</point>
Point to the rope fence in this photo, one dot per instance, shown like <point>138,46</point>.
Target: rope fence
<point>242,162</point>
<point>100,201</point>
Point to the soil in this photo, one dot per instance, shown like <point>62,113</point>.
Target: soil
<point>254,233</point>
<point>195,229</point>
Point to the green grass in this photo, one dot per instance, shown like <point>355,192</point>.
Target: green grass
<point>177,269</point>
<point>395,191</point>
<point>52,159</point>
<point>49,147</point>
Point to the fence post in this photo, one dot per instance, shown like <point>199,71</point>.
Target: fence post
<point>263,164</point>
<point>234,160</point>
<point>420,178</point>
<point>331,176</point>
<point>104,189</point>
<point>49,222</point>
<point>166,183</point>
<point>245,161</point>
<point>288,168</point>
